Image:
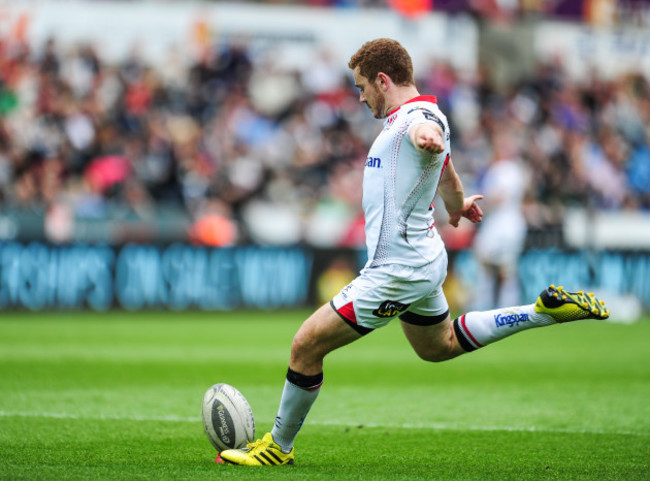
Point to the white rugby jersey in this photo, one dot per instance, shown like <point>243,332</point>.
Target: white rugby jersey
<point>399,185</point>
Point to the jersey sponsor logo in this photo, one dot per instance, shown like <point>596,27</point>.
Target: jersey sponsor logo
<point>510,320</point>
<point>427,113</point>
<point>430,116</point>
<point>390,309</point>
<point>373,162</point>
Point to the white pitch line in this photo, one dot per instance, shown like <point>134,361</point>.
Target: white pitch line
<point>103,417</point>
<point>434,426</point>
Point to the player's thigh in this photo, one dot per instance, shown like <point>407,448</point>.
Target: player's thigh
<point>320,334</point>
<point>435,342</point>
<point>427,324</point>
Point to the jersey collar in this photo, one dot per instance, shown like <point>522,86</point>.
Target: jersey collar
<point>419,98</point>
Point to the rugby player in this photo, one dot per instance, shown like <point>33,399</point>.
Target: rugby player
<point>408,163</point>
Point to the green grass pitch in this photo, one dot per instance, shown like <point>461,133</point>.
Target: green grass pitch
<point>118,396</point>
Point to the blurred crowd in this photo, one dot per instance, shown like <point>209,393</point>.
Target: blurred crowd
<point>255,153</point>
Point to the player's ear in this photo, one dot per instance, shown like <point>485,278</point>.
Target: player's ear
<point>383,80</point>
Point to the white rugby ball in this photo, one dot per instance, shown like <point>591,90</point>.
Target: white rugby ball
<point>227,417</point>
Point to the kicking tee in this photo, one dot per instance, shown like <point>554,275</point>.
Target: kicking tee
<point>399,185</point>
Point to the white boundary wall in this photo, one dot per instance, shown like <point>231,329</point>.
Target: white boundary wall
<point>156,27</point>
<point>293,32</point>
<point>584,49</point>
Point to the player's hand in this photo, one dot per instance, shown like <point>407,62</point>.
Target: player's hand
<point>470,210</point>
<point>428,138</point>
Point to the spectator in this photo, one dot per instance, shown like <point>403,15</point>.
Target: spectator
<point>501,236</point>
<point>209,134</point>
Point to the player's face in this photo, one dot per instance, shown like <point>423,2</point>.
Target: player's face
<point>370,94</point>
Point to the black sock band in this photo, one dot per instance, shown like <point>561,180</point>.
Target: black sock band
<point>462,340</point>
<point>309,383</point>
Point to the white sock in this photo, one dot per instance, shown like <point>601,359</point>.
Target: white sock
<point>480,328</point>
<point>299,394</point>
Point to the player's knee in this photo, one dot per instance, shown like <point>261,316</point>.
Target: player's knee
<point>298,346</point>
<point>304,349</point>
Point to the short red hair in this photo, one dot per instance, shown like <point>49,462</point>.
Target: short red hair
<point>384,55</point>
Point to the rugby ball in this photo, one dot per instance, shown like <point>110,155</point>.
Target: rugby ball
<point>227,417</point>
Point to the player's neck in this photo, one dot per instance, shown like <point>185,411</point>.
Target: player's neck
<point>398,96</point>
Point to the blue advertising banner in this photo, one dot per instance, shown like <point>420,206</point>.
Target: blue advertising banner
<point>38,276</point>
<point>618,272</point>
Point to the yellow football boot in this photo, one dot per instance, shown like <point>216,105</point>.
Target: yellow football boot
<point>565,306</point>
<point>263,452</point>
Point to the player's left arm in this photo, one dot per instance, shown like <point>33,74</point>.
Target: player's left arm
<point>457,205</point>
<point>427,137</point>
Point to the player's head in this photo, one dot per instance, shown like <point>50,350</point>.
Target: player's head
<point>384,55</point>
<point>381,56</point>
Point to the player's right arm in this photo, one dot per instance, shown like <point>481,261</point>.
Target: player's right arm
<point>427,137</point>
<point>452,193</point>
